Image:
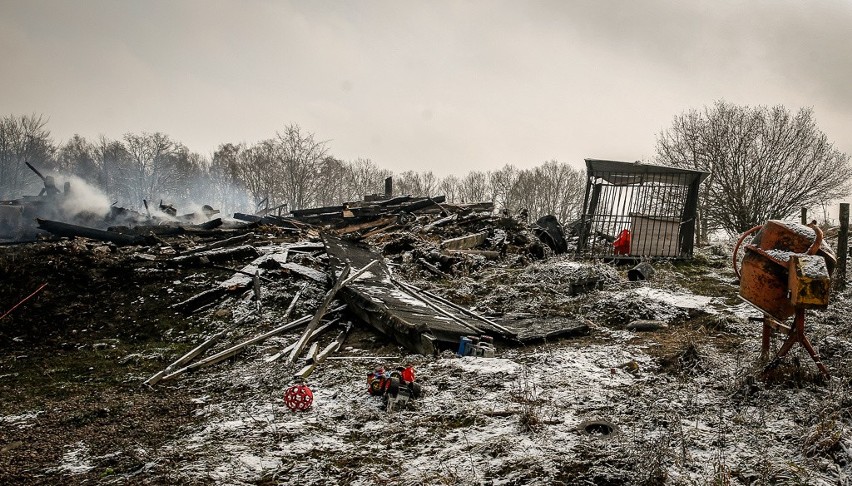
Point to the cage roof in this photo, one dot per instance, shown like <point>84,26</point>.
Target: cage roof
<point>616,172</point>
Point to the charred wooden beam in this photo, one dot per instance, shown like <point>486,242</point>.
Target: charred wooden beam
<point>217,255</point>
<point>422,204</point>
<point>315,211</point>
<point>222,243</point>
<point>207,225</point>
<point>385,221</point>
<point>199,300</point>
<point>279,221</point>
<point>73,230</point>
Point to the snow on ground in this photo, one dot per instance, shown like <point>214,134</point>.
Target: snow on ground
<point>76,459</point>
<point>467,428</point>
<point>22,420</point>
<point>518,418</point>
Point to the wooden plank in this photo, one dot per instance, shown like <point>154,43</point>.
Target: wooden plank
<point>465,242</point>
<point>73,230</point>
<point>234,350</point>
<point>185,358</point>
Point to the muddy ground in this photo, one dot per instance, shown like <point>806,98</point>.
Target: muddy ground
<point>689,403</point>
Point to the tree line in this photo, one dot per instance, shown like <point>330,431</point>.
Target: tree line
<point>291,170</point>
<point>763,163</point>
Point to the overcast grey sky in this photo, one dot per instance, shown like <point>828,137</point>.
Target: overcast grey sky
<point>428,85</point>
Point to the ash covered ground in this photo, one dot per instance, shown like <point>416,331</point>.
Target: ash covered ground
<point>685,403</point>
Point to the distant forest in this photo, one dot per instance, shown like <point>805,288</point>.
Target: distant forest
<point>292,170</point>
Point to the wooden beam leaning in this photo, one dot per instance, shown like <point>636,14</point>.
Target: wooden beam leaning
<point>319,330</point>
<point>315,359</point>
<point>414,292</point>
<point>342,281</point>
<point>469,312</point>
<point>223,355</point>
<point>184,359</point>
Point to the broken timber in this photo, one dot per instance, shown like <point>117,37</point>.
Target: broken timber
<point>234,350</point>
<point>72,230</point>
<point>465,242</point>
<point>404,314</point>
<point>342,280</point>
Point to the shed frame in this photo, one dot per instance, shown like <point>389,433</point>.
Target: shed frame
<point>657,205</point>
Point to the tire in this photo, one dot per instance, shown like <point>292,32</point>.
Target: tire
<point>393,388</point>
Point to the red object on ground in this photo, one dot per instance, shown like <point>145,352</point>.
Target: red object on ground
<point>298,398</point>
<point>622,243</point>
<point>408,374</point>
<point>379,381</point>
<point>25,299</point>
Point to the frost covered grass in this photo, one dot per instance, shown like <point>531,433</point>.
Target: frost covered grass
<point>687,404</point>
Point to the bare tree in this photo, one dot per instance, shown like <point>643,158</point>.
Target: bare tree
<point>226,190</point>
<point>449,187</point>
<point>114,162</point>
<point>254,167</point>
<point>79,157</point>
<point>23,139</point>
<point>331,183</point>
<point>764,163</point>
<point>299,162</point>
<point>364,177</point>
<point>474,187</point>
<point>501,183</point>
<point>151,165</point>
<point>416,184</point>
<point>552,188</point>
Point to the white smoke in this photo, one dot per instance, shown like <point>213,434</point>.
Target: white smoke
<point>82,198</point>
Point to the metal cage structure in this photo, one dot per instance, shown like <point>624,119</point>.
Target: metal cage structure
<point>634,211</point>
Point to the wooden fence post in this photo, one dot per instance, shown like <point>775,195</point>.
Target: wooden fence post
<point>804,215</point>
<point>842,248</point>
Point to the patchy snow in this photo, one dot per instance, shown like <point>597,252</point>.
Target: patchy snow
<point>486,365</point>
<point>76,459</point>
<point>22,420</point>
<point>688,416</point>
<point>681,300</point>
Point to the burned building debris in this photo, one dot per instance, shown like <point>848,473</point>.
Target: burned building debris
<point>411,238</point>
<point>73,211</point>
<point>236,325</point>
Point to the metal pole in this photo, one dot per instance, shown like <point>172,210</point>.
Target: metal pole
<point>842,248</point>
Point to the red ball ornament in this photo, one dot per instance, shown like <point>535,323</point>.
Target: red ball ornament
<point>298,398</point>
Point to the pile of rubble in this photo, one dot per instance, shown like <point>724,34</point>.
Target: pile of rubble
<point>403,245</point>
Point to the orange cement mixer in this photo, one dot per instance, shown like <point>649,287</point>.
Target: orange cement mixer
<point>786,269</point>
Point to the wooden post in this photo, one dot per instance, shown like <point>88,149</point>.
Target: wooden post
<point>842,248</point>
<point>389,188</point>
<point>804,215</point>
